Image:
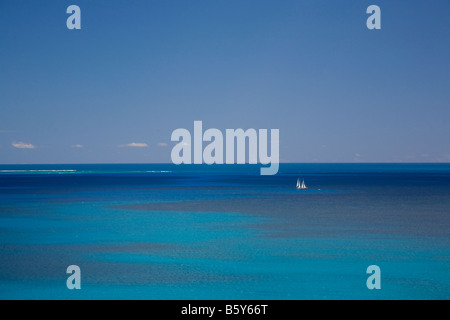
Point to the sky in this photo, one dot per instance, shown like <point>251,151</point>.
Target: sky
<point>114,91</point>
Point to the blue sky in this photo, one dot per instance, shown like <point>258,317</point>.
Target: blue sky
<point>137,70</point>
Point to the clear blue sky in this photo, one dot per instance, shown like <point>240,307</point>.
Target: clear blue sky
<point>137,70</point>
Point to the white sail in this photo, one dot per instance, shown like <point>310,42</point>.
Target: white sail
<point>301,184</point>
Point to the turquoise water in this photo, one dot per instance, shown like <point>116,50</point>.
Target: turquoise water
<point>225,232</point>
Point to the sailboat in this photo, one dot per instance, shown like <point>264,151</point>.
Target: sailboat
<point>301,185</point>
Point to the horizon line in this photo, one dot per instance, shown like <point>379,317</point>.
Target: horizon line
<point>195,164</point>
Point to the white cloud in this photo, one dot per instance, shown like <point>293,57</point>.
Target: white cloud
<point>77,146</point>
<point>357,158</point>
<point>162,144</point>
<point>135,145</point>
<point>23,145</point>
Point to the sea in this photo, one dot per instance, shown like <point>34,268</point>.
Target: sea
<point>186,232</point>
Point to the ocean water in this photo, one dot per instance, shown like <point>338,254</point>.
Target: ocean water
<point>161,231</point>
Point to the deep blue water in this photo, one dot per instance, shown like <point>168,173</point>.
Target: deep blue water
<point>225,232</point>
